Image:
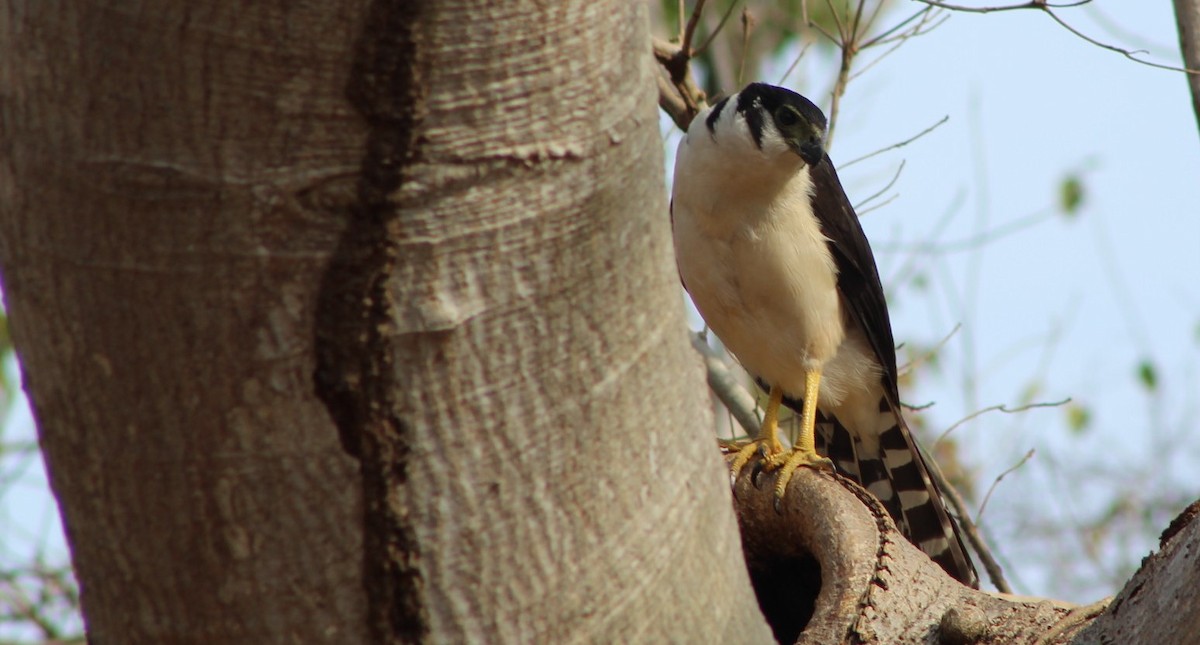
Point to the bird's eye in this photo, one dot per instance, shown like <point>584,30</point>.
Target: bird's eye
<point>787,116</point>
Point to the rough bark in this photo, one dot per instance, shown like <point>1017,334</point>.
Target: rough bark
<point>831,567</point>
<point>537,455</point>
<point>1159,604</point>
<point>1187,19</point>
<point>173,176</point>
<point>189,191</point>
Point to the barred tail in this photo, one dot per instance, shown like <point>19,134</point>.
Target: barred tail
<point>893,469</point>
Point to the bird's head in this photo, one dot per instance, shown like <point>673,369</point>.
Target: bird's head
<point>778,116</point>
<point>777,119</point>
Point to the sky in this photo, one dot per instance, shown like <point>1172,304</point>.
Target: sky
<point>1048,307</point>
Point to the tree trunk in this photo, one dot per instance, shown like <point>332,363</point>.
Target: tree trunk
<point>478,235</point>
<point>502,340</point>
<point>174,177</point>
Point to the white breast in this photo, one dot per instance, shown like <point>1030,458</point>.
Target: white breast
<point>755,262</point>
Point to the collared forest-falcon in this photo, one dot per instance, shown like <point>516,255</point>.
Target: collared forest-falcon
<point>772,254</point>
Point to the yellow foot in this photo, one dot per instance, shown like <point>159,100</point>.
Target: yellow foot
<point>788,464</point>
<point>770,449</point>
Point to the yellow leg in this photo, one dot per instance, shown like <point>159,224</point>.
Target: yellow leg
<point>768,435</point>
<point>804,453</point>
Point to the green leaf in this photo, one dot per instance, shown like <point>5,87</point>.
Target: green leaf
<point>1071,195</point>
<point>1148,375</point>
<point>920,282</point>
<point>1079,417</point>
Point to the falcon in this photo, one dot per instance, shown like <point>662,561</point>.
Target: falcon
<point>774,258</point>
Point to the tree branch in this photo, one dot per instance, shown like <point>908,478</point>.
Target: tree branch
<point>678,94</point>
<point>831,567</point>
<point>1048,9</point>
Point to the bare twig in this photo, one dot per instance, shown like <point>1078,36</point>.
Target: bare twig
<point>996,482</point>
<point>678,94</point>
<point>1000,408</point>
<point>839,88</point>
<point>881,37</point>
<point>898,40</point>
<point>748,23</point>
<point>970,530</point>
<point>874,207</point>
<point>737,400</point>
<point>916,362</point>
<point>973,242</point>
<point>837,18</point>
<point>720,25</point>
<point>1032,4</point>
<point>858,208</point>
<point>795,61</point>
<point>1048,9</point>
<point>899,144</point>
<point>689,32</point>
<point>873,17</point>
<point>857,23</point>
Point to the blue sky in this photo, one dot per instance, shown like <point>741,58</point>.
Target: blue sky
<point>1064,307</point>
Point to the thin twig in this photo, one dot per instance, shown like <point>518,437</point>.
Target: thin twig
<point>979,239</point>
<point>875,10</point>
<point>1000,408</point>
<point>996,482</point>
<point>857,22</point>
<point>736,399</point>
<point>1131,54</point>
<point>747,26</point>
<point>899,144</point>
<point>720,25</point>
<point>682,23</point>
<point>689,32</point>
<point>858,208</point>
<point>1032,4</point>
<point>839,88</point>
<point>837,19</point>
<point>968,527</point>
<point>795,62</point>
<point>875,207</point>
<point>882,36</point>
<point>678,94</point>
<point>888,52</point>
<point>1047,8</point>
<point>916,362</point>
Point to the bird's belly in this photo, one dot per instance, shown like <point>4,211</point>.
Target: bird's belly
<point>772,301</point>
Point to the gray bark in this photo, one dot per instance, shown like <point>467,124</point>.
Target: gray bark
<point>832,568</point>
<point>1187,19</point>
<point>170,181</point>
<point>532,421</point>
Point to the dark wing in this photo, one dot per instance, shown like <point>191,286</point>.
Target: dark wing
<point>927,524</point>
<point>858,278</point>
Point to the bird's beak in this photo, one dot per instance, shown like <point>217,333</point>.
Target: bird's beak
<point>811,151</point>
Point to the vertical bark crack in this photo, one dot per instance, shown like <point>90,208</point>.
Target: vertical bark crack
<point>354,377</point>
